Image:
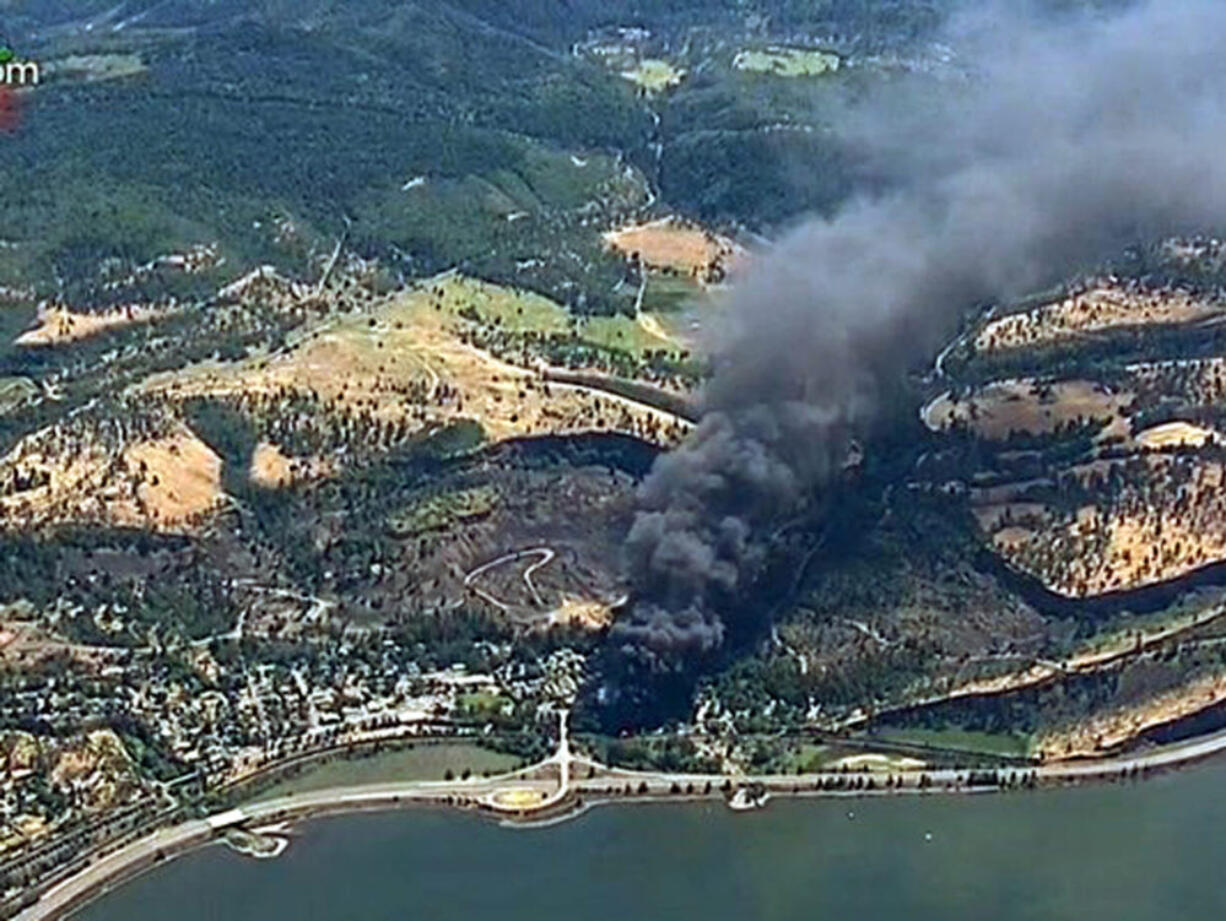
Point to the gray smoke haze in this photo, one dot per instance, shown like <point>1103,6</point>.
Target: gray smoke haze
<point>1065,143</point>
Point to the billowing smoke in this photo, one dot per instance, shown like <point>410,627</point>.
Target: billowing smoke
<point>1060,144</point>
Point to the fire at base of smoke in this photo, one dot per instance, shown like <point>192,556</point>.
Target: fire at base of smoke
<point>1068,140</point>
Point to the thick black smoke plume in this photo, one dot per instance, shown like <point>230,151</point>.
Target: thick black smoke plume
<point>1059,145</point>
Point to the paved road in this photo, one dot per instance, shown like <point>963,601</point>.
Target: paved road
<point>94,878</point>
<point>180,837</point>
<point>1163,756</point>
<point>133,857</point>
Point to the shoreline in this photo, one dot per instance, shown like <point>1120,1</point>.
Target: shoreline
<point>127,863</point>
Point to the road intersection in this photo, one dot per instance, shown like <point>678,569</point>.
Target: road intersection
<point>555,782</point>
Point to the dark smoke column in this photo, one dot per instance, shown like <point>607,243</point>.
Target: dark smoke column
<point>1066,142</point>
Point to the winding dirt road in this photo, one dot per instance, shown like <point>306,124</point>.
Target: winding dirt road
<point>546,554</point>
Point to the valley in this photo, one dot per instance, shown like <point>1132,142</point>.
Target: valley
<point>336,387</point>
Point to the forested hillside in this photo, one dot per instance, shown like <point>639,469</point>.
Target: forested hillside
<point>231,115</point>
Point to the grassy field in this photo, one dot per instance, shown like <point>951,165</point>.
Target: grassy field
<point>787,62</point>
<point>809,758</point>
<point>525,312</point>
<point>667,294</point>
<point>514,310</point>
<point>483,705</point>
<point>623,333</point>
<point>445,509</point>
<point>813,758</point>
<point>413,360</point>
<point>422,762</point>
<point>987,743</point>
<point>654,75</point>
<point>62,326</point>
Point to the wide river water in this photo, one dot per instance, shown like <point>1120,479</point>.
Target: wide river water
<point>1150,851</point>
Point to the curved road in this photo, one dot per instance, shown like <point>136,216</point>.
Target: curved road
<point>1043,670</point>
<point>546,555</point>
<point>134,857</point>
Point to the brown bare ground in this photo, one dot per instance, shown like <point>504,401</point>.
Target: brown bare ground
<point>22,643</point>
<point>271,469</point>
<point>1107,304</point>
<point>163,484</point>
<point>1119,725</point>
<point>671,244</point>
<point>1012,536</point>
<point>999,408</point>
<point>407,361</point>
<point>1175,434</point>
<point>1141,535</point>
<point>185,479</point>
<point>58,325</point>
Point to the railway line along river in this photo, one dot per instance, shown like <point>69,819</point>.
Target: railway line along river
<point>1132,851</point>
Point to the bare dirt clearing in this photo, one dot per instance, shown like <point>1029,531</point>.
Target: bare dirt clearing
<point>673,245</point>
<point>23,643</point>
<point>1175,434</point>
<point>59,325</point>
<point>272,469</point>
<point>180,479</point>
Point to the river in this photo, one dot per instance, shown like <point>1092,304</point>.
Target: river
<point>1148,851</point>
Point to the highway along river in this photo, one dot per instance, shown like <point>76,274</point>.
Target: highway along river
<point>1147,851</point>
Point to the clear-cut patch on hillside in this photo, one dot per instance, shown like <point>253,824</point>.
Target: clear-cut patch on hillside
<point>674,245</point>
